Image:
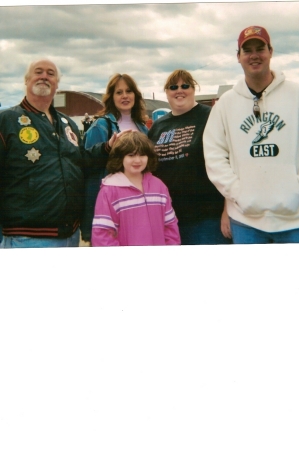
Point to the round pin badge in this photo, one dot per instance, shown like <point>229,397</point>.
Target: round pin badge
<point>28,135</point>
<point>63,119</point>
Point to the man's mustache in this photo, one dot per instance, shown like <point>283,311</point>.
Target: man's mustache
<point>43,82</point>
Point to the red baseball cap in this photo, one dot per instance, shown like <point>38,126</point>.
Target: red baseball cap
<point>254,32</point>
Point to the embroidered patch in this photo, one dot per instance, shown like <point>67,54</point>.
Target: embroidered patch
<point>33,155</point>
<point>252,31</point>
<point>71,136</point>
<point>24,120</point>
<point>28,135</point>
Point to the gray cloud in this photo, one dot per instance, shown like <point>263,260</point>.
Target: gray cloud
<point>148,41</point>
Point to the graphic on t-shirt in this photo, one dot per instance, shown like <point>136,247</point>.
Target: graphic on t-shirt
<point>174,144</point>
<point>166,136</point>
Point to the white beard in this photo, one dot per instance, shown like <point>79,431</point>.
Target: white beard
<point>43,91</point>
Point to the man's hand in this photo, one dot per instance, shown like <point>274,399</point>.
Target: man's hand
<point>225,224</point>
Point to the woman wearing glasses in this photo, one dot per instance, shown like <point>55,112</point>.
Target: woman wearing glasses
<point>178,142</point>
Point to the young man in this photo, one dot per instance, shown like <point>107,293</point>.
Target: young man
<point>41,161</point>
<point>251,147</point>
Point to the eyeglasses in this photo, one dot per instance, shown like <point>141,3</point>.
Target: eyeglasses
<point>256,108</point>
<point>174,87</point>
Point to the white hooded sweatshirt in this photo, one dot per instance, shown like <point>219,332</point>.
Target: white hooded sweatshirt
<point>254,162</point>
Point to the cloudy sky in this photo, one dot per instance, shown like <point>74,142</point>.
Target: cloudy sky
<point>148,41</point>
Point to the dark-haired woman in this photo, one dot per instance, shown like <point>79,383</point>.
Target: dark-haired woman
<point>177,137</point>
<point>124,109</point>
<point>133,207</point>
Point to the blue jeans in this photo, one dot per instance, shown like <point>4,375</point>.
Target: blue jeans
<point>32,242</point>
<point>243,234</point>
<point>205,232</point>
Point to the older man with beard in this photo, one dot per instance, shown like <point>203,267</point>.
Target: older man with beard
<point>41,167</point>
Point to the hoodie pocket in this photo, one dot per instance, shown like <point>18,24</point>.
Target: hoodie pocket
<point>269,188</point>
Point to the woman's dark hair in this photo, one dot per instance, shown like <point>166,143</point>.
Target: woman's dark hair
<point>138,111</point>
<point>132,142</point>
<point>184,75</point>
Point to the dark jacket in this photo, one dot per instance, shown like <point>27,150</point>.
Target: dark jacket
<point>41,172</point>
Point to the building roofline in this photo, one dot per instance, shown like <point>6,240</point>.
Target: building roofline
<point>84,94</point>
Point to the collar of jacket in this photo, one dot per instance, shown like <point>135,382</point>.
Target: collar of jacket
<point>28,107</point>
<point>120,180</point>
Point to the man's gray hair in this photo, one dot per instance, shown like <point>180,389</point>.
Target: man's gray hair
<point>34,62</point>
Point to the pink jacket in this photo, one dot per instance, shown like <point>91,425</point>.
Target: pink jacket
<point>126,216</point>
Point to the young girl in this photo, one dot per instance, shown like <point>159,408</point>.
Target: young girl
<point>133,207</point>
